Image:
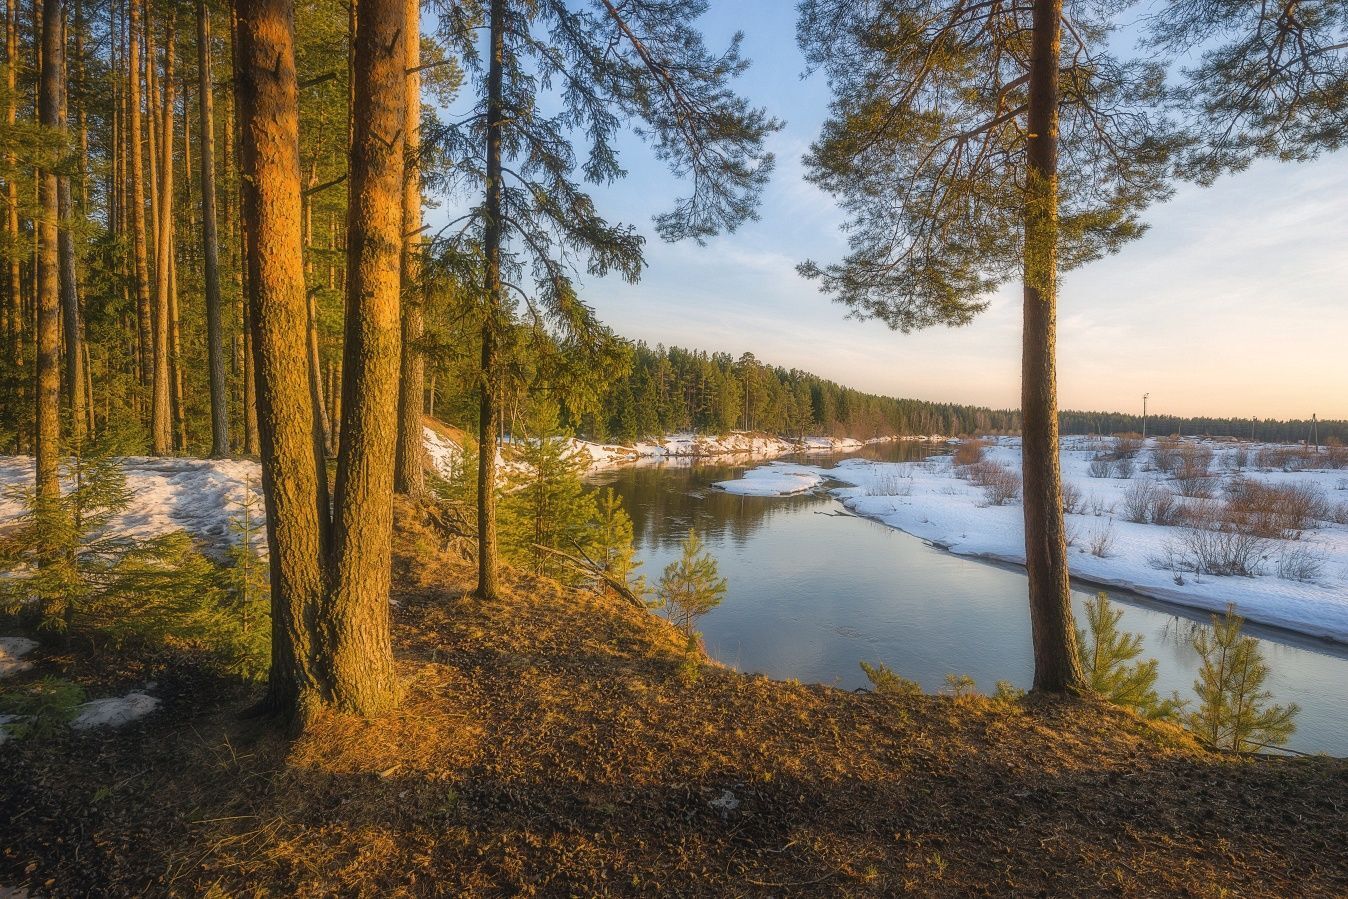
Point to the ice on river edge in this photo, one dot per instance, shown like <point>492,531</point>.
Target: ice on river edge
<point>928,500</point>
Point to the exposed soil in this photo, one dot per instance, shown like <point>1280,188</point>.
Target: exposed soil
<point>561,743</point>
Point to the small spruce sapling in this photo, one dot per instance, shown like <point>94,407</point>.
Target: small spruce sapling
<point>611,543</point>
<point>1233,707</point>
<point>690,587</point>
<point>887,683</point>
<point>1108,657</point>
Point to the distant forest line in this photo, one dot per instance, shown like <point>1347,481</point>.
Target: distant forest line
<point>670,389</point>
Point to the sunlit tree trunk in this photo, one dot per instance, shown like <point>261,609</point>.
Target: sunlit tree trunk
<point>210,247</point>
<point>408,477</point>
<point>267,108</point>
<point>161,411</point>
<point>488,409</point>
<point>48,371</point>
<point>251,442</point>
<point>361,652</point>
<point>71,315</point>
<point>1056,665</point>
<point>14,294</point>
<point>139,249</point>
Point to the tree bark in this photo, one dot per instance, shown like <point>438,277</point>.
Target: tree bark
<point>139,250</point>
<point>14,298</point>
<point>267,107</point>
<point>1057,668</point>
<point>210,247</point>
<point>161,410</point>
<point>488,412</point>
<point>251,442</point>
<point>48,370</point>
<point>363,680</point>
<point>408,475</point>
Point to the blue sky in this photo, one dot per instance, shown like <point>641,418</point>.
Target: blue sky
<point>1232,304</point>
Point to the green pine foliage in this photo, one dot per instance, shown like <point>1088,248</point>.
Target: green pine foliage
<point>247,578</point>
<point>1233,710</point>
<point>612,548</point>
<point>887,683</point>
<point>40,709</point>
<point>690,587</point>
<point>547,510</point>
<point>1109,657</point>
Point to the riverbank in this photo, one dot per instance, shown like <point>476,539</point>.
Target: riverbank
<point>1298,584</point>
<point>560,743</point>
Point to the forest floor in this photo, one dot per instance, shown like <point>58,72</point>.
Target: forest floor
<point>561,743</point>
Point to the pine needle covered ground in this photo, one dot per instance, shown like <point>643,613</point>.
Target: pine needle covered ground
<point>565,744</point>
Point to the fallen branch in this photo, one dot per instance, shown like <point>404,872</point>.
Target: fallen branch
<point>588,566</point>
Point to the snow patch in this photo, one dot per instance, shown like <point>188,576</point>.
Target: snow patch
<point>777,479</point>
<point>12,651</point>
<point>114,711</point>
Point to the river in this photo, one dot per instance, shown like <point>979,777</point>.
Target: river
<point>812,592</point>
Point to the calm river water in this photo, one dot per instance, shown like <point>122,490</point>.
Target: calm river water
<point>811,594</point>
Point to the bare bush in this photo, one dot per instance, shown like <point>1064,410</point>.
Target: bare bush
<point>1000,485</point>
<point>1193,471</point>
<point>1209,545</point>
<point>1148,502</point>
<point>891,484</point>
<point>1286,458</point>
<point>1123,468</point>
<point>1300,562</point>
<point>969,452</point>
<point>1165,456</point>
<point>1240,458</point>
<point>1102,541</point>
<point>1127,446</point>
<point>1281,511</point>
<point>1100,467</point>
<point>1071,498</point>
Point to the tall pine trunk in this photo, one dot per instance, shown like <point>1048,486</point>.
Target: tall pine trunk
<point>408,476</point>
<point>1057,668</point>
<point>14,317</point>
<point>294,481</point>
<point>161,410</point>
<point>361,653</point>
<point>210,247</point>
<point>139,250</point>
<point>48,371</point>
<point>488,410</point>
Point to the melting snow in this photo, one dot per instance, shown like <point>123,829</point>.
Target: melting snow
<point>12,651</point>
<point>115,711</point>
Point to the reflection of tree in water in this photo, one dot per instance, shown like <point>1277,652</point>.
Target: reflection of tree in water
<point>1179,632</point>
<point>665,501</point>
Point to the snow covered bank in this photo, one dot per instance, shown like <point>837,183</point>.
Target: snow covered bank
<point>777,479</point>
<point>1299,584</point>
<point>199,496</point>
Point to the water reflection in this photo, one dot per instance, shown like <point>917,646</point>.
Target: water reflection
<point>811,595</point>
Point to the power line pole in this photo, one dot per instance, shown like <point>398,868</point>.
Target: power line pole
<point>1144,415</point>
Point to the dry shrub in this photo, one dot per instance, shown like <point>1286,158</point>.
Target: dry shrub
<point>1102,541</point>
<point>1123,467</point>
<point>1193,471</point>
<point>969,452</point>
<point>1209,544</point>
<point>1286,458</point>
<point>1071,498</point>
<point>1100,467</point>
<point>1165,457</point>
<point>1300,562</point>
<point>1281,511</point>
<point>1127,446</point>
<point>1000,484</point>
<point>1148,502</point>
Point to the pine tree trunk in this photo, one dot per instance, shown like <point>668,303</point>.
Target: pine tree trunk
<point>210,248</point>
<point>1057,667</point>
<point>294,483</point>
<point>48,371</point>
<point>14,318</point>
<point>360,656</point>
<point>488,411</point>
<point>73,360</point>
<point>408,476</point>
<point>161,410</point>
<point>137,199</point>
<point>251,440</point>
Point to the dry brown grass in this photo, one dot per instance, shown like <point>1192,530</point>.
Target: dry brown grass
<point>559,743</point>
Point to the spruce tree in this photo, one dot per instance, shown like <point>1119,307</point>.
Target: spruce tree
<point>611,542</point>
<point>607,65</point>
<point>972,145</point>
<point>690,587</point>
<point>1233,710</point>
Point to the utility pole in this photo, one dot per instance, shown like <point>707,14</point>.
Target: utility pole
<point>1315,432</point>
<point>1144,415</point>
